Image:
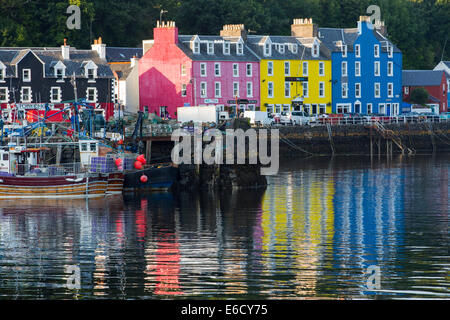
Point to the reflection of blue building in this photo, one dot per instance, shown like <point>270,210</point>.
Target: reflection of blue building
<point>366,69</point>
<point>369,218</point>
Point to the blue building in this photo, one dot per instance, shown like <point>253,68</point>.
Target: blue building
<point>366,69</point>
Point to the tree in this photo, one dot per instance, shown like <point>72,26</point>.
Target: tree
<point>419,96</point>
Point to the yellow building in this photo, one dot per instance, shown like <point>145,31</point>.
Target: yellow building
<point>294,68</point>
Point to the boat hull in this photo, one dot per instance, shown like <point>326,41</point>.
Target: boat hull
<point>115,183</point>
<point>53,187</point>
<point>158,179</point>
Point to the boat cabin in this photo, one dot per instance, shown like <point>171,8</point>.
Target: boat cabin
<point>19,160</point>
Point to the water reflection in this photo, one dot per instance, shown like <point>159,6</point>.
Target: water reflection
<point>312,233</point>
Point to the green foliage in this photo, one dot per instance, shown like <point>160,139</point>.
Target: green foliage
<point>418,28</point>
<point>419,96</point>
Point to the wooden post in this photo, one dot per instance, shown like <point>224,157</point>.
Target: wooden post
<point>148,151</point>
<point>58,154</point>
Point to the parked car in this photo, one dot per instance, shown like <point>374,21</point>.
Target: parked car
<point>445,115</point>
<point>294,117</point>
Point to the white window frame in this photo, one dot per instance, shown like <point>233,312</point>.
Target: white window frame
<point>239,48</point>
<point>203,70</point>
<point>321,88</point>
<point>28,78</point>
<point>406,90</point>
<point>390,51</point>
<point>344,90</point>
<point>183,70</point>
<point>226,47</point>
<point>376,50</point>
<point>382,105</point>
<point>203,89</point>
<point>357,90</point>
<point>376,86</point>
<point>270,89</point>
<point>287,89</point>
<point>217,69</point>
<point>95,95</point>
<point>236,89</point>
<point>210,47</point>
<point>305,68</point>
<point>270,68</point>
<point>235,70</point>
<point>288,65</point>
<point>321,69</point>
<point>357,51</point>
<point>344,50</point>
<point>357,68</point>
<point>315,50</point>
<point>267,49</point>
<point>344,68</point>
<point>217,89</point>
<point>247,69</point>
<point>390,90</point>
<point>58,94</point>
<point>184,90</point>
<point>294,48</point>
<point>376,69</point>
<point>63,74</point>
<point>196,46</point>
<point>250,89</point>
<point>30,95</point>
<point>369,107</point>
<point>305,89</point>
<point>6,100</point>
<point>390,69</point>
<point>281,48</point>
<point>2,74</point>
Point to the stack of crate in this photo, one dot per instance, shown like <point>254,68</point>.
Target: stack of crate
<point>102,164</point>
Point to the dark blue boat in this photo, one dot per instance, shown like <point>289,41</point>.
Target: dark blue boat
<point>161,177</point>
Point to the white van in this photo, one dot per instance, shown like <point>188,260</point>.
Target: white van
<point>294,118</point>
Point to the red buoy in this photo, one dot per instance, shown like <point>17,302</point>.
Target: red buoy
<point>138,165</point>
<point>144,178</point>
<point>118,162</point>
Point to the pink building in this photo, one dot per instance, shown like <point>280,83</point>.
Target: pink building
<point>178,70</point>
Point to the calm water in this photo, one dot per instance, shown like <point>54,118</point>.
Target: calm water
<point>312,233</point>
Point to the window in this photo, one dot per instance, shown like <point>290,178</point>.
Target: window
<point>240,48</point>
<point>4,95</point>
<point>26,75</point>
<point>344,50</point>
<point>183,90</point>
<point>390,70</point>
<point>406,89</point>
<point>270,68</point>
<point>377,90</point>
<point>281,48</point>
<point>315,50</point>
<point>91,95</point>
<point>210,47</point>
<point>203,89</point>
<point>381,108</point>
<point>357,107</point>
<point>294,48</point>
<point>305,89</point>
<point>390,90</point>
<point>59,73</point>
<point>183,70</point>
<point>249,89</point>
<point>217,69</point>
<point>196,48</point>
<point>357,50</point>
<point>287,68</point>
<point>55,94</point>
<point>84,147</point>
<point>267,49</point>
<point>226,47</point>
<point>345,90</point>
<point>377,68</point>
<point>357,69</point>
<point>376,51</point>
<point>305,68</point>
<point>235,70</point>
<point>321,69</point>
<point>25,94</point>
<point>358,90</point>
<point>236,89</point>
<point>390,51</point>
<point>2,74</point>
<point>287,89</point>
<point>344,68</point>
<point>369,108</point>
<point>249,70</point>
<point>217,90</point>
<point>203,69</point>
<point>90,73</point>
<point>270,89</point>
<point>93,147</point>
<point>322,108</point>
<point>321,89</point>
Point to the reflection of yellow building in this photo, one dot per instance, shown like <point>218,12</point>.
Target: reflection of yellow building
<point>298,220</point>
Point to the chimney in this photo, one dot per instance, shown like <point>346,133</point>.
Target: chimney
<point>381,27</point>
<point>134,61</point>
<point>65,50</point>
<point>303,28</point>
<point>234,30</point>
<point>165,32</point>
<point>99,47</point>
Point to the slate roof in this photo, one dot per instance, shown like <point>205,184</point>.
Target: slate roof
<point>50,56</point>
<point>122,70</point>
<point>119,54</point>
<point>184,44</point>
<point>413,78</point>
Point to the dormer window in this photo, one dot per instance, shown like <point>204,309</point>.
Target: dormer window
<point>267,49</point>
<point>357,51</point>
<point>90,71</point>
<point>2,74</point>
<point>315,50</point>
<point>196,48</point>
<point>390,51</point>
<point>26,75</point>
<point>90,74</point>
<point>294,48</point>
<point>281,48</point>
<point>344,50</point>
<point>59,73</point>
<point>376,51</point>
<point>226,47</point>
<point>240,48</point>
<point>210,47</point>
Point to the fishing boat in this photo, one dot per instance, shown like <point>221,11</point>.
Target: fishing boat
<point>22,176</point>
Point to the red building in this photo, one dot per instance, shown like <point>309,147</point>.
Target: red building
<point>435,82</point>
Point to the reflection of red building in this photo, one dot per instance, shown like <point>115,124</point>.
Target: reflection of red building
<point>167,265</point>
